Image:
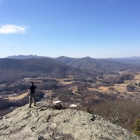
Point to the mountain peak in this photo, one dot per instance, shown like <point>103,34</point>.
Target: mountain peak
<point>24,56</point>
<point>41,123</point>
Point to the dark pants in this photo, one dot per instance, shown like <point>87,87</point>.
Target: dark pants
<point>31,97</point>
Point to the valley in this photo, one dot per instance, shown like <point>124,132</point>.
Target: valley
<point>113,94</point>
<point>70,90</point>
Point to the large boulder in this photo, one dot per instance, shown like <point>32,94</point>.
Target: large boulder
<point>43,123</point>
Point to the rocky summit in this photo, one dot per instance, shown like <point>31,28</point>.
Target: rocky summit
<point>44,123</point>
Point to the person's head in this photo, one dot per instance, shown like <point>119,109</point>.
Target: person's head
<point>32,83</point>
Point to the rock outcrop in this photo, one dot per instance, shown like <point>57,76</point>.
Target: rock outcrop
<point>43,123</point>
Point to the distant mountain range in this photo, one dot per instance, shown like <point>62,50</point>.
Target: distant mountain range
<point>24,56</point>
<point>68,60</point>
<point>91,64</point>
<point>11,69</point>
<point>127,60</point>
<point>21,66</point>
<point>85,63</point>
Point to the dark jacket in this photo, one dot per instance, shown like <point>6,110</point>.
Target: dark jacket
<point>32,89</point>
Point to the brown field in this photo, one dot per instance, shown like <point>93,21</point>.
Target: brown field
<point>120,87</point>
<point>137,76</point>
<point>62,81</point>
<point>103,89</point>
<point>18,97</point>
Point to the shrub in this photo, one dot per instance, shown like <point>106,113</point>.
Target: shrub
<point>130,88</point>
<point>137,127</point>
<point>58,107</point>
<point>88,110</point>
<point>120,112</point>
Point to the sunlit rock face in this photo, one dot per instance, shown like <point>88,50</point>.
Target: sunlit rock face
<point>44,123</point>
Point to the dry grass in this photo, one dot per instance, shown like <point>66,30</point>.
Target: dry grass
<point>99,89</point>
<point>103,88</point>
<point>124,72</point>
<point>64,82</point>
<point>18,97</point>
<point>92,89</point>
<point>137,75</point>
<point>120,87</point>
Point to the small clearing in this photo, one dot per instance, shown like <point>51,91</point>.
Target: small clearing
<point>65,81</point>
<point>17,97</point>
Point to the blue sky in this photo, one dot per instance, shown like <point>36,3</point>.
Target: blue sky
<point>73,28</point>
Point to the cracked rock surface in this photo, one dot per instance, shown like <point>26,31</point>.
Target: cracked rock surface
<point>43,123</point>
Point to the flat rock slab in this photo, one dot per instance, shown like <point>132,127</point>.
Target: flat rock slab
<point>43,123</point>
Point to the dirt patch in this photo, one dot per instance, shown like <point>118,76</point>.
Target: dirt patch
<point>65,81</point>
<point>120,87</point>
<point>99,89</point>
<point>137,76</point>
<point>18,97</point>
<point>103,88</point>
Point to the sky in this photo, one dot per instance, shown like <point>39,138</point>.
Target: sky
<point>72,28</point>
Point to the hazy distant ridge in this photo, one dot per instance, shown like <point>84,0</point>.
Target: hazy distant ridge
<point>127,60</point>
<point>91,64</point>
<point>11,69</point>
<point>24,56</point>
<point>70,61</point>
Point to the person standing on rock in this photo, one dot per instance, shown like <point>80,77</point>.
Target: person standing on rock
<point>32,95</point>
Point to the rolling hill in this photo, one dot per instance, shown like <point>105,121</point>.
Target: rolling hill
<point>95,65</point>
<point>127,60</point>
<point>11,69</point>
<point>86,64</point>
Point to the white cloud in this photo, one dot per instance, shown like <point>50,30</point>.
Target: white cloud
<point>12,29</point>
